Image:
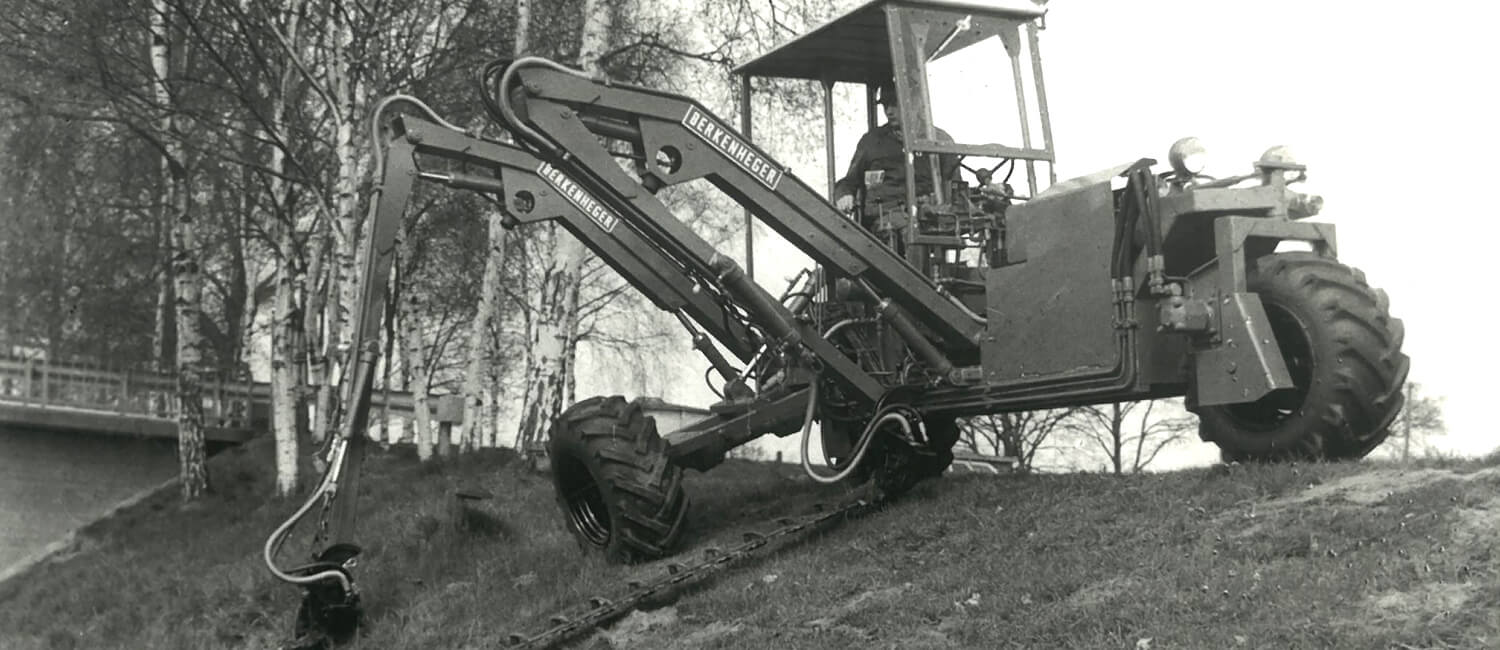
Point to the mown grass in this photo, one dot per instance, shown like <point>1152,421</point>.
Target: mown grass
<point>1314,556</point>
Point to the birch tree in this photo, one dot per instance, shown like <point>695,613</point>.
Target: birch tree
<point>553,336</point>
<point>413,347</point>
<point>286,336</point>
<point>479,389</point>
<point>176,203</point>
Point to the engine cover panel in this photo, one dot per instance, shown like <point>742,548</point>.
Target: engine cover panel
<point>1050,310</point>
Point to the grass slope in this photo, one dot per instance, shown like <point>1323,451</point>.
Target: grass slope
<point>1311,556</point>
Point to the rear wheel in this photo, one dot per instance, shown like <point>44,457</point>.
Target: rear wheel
<point>1343,351</point>
<point>618,490</point>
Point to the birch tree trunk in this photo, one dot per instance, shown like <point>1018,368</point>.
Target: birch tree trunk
<point>419,379</point>
<point>479,426</point>
<point>164,338</point>
<point>286,389</point>
<point>312,285</point>
<point>343,280</point>
<point>481,356</point>
<point>185,268</point>
<point>285,393</point>
<point>554,337</point>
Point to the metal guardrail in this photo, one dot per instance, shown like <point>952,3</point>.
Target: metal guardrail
<point>238,404</point>
<point>226,404</point>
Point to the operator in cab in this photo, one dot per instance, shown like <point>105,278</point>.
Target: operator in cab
<point>877,164</point>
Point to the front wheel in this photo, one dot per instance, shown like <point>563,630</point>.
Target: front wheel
<point>1343,351</point>
<point>618,490</point>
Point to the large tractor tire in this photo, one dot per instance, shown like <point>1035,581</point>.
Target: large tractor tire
<point>619,492</point>
<point>1343,351</point>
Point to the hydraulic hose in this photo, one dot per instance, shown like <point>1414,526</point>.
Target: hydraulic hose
<point>328,487</point>
<point>375,126</point>
<point>865,437</point>
<point>509,113</point>
<point>964,308</point>
<point>862,447</point>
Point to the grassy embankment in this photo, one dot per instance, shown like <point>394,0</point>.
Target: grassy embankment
<point>1310,556</point>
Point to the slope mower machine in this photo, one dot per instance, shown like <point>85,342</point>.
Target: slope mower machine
<point>966,298</point>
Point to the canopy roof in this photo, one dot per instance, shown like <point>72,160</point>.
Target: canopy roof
<point>855,47</point>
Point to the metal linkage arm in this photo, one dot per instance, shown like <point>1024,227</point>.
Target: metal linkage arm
<point>595,168</point>
<point>532,191</point>
<point>330,608</point>
<point>535,191</point>
<point>569,109</point>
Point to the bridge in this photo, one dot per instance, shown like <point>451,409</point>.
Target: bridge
<point>144,404</point>
<point>98,399</point>
<point>77,439</point>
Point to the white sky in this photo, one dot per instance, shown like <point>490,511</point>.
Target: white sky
<point>1387,102</point>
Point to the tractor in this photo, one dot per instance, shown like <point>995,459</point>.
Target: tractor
<point>960,297</point>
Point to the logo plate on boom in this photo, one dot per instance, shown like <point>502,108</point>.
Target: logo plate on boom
<point>729,143</point>
<point>579,198</point>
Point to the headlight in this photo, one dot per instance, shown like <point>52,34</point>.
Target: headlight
<point>1280,159</point>
<point>1188,157</point>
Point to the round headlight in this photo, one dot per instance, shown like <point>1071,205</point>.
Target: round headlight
<point>1279,156</point>
<point>1188,157</point>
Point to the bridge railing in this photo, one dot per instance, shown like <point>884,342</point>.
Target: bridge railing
<point>226,404</point>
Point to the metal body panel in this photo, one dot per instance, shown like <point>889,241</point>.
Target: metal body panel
<point>1234,235</point>
<point>1165,357</point>
<point>1215,201</point>
<point>1246,364</point>
<point>1052,313</point>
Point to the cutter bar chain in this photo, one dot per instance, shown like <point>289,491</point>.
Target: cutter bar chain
<point>603,610</point>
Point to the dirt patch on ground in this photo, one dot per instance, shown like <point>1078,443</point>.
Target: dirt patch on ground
<point>1365,489</point>
<point>1371,488</point>
<point>1477,525</point>
<point>1100,593</point>
<point>935,637</point>
<point>859,601</point>
<point>1412,611</point>
<point>633,630</point>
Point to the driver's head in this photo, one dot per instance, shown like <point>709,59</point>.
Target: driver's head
<point>885,95</point>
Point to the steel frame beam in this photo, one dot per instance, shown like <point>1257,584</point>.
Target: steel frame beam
<point>565,106</point>
<point>521,176</point>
